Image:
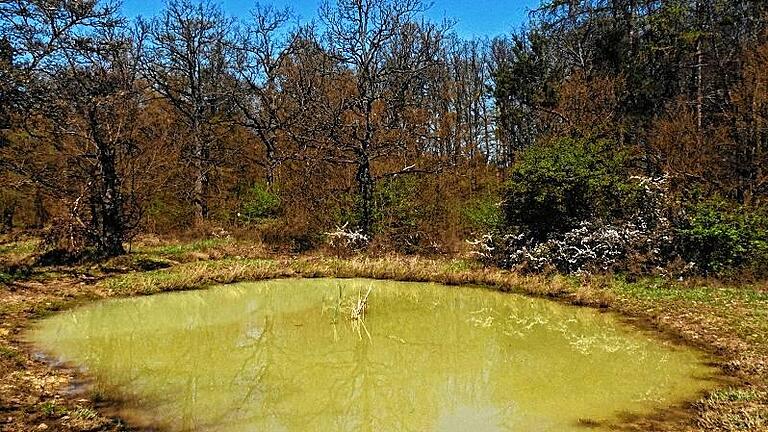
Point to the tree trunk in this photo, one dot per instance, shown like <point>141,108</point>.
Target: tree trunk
<point>271,162</point>
<point>699,80</point>
<point>41,214</point>
<point>112,228</point>
<point>365,190</point>
<point>201,156</point>
<point>699,87</point>
<point>7,220</point>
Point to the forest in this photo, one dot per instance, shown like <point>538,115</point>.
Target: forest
<point>642,123</point>
<point>606,153</point>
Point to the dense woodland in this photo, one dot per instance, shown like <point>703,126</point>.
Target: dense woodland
<point>627,135</point>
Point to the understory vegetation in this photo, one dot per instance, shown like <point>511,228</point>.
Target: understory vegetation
<point>623,136</point>
<point>573,207</point>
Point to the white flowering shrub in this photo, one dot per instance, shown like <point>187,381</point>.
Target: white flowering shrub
<point>346,238</point>
<point>484,248</point>
<point>594,245</point>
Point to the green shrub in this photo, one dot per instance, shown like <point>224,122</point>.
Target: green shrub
<point>483,214</point>
<point>397,214</point>
<point>721,238</point>
<point>258,203</point>
<point>555,186</point>
<point>166,213</point>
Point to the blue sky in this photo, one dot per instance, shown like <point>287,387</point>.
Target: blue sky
<point>474,18</point>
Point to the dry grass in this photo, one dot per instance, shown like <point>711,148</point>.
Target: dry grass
<point>193,275</point>
<point>734,409</point>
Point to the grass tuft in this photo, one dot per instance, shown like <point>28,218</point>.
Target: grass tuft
<point>734,409</point>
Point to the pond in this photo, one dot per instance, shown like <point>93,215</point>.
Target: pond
<point>288,355</point>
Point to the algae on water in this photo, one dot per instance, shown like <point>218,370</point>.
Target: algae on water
<point>277,356</point>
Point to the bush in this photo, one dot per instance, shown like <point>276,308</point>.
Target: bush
<point>167,213</point>
<point>258,203</point>
<point>484,214</point>
<point>640,242</point>
<point>593,246</point>
<point>397,218</point>
<point>344,240</point>
<point>397,213</point>
<point>554,187</point>
<point>596,246</point>
<point>720,238</point>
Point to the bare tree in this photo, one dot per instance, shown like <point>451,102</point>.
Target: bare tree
<point>68,77</point>
<point>261,50</point>
<point>461,102</point>
<point>383,55</point>
<point>186,61</point>
<point>36,37</point>
<point>98,100</point>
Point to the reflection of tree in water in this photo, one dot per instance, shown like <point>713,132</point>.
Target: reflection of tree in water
<point>371,385</point>
<point>267,357</point>
<point>585,330</point>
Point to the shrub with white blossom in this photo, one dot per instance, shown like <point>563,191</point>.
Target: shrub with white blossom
<point>346,238</point>
<point>646,238</point>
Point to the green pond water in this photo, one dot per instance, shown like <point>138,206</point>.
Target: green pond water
<point>285,355</point>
